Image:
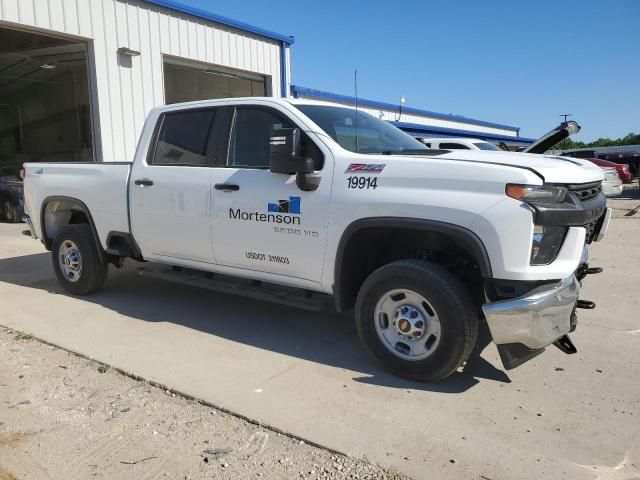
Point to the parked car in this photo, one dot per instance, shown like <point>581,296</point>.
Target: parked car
<point>629,158</point>
<point>458,144</point>
<point>621,168</point>
<point>581,154</point>
<point>11,196</point>
<point>320,199</point>
<point>612,185</point>
<point>632,159</point>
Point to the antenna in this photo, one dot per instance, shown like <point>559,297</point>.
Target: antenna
<point>355,87</point>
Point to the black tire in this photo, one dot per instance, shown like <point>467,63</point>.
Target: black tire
<point>9,211</point>
<point>448,298</point>
<point>94,270</point>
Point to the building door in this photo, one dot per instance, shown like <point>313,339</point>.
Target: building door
<point>45,113</point>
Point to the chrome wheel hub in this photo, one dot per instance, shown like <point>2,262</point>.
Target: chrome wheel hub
<point>407,324</point>
<point>70,261</point>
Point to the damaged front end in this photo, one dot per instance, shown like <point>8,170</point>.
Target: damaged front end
<point>525,317</point>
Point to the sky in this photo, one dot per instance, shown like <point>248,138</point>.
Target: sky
<point>511,62</point>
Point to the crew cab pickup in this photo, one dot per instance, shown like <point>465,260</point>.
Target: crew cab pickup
<point>321,199</point>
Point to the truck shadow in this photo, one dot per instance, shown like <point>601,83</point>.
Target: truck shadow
<point>327,338</point>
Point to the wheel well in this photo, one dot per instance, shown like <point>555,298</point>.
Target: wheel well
<point>366,248</point>
<point>59,212</point>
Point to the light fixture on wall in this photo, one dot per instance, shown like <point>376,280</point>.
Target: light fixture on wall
<point>128,52</point>
<point>48,66</point>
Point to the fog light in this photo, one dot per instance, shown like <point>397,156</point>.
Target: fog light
<point>546,243</point>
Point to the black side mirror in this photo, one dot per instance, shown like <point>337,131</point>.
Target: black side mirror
<point>285,158</point>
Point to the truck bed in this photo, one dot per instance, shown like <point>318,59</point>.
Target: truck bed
<point>100,186</point>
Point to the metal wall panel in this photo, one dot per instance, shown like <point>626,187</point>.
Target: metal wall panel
<point>128,87</point>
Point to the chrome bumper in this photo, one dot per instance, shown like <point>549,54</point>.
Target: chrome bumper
<point>537,319</point>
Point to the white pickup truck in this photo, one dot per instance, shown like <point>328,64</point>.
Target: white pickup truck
<point>321,199</point>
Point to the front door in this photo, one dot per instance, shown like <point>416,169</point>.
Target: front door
<point>261,220</point>
<point>170,190</point>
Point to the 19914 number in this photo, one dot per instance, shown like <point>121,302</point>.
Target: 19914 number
<point>362,182</point>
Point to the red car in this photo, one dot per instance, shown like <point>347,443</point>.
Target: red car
<point>622,168</point>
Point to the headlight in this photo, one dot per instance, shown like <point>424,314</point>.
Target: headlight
<point>535,193</point>
<point>546,243</point>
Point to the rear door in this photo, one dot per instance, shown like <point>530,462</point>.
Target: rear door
<point>261,220</point>
<point>170,189</point>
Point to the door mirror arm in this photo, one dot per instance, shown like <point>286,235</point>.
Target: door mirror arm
<point>307,182</point>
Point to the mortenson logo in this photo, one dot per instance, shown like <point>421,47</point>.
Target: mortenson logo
<point>282,211</point>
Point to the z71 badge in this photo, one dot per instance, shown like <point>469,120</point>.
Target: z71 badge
<point>365,168</point>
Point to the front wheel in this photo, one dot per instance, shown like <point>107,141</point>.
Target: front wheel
<point>77,261</point>
<point>417,319</point>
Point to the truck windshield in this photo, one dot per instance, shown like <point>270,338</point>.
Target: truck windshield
<point>362,134</point>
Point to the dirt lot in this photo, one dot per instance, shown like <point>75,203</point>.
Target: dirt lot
<point>558,416</point>
<point>66,417</point>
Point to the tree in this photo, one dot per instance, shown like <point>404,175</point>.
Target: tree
<point>629,139</point>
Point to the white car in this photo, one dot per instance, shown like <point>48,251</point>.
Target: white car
<point>612,184</point>
<point>313,199</point>
<point>458,144</point>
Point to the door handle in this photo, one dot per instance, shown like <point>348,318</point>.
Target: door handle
<point>227,187</point>
<point>143,182</point>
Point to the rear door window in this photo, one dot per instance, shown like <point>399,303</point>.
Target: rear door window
<point>184,137</point>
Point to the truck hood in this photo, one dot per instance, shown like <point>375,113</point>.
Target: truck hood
<point>554,137</point>
<point>553,169</point>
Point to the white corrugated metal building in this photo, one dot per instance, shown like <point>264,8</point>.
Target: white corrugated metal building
<point>77,77</point>
<point>422,123</point>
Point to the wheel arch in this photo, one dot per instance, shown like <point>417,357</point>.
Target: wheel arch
<point>348,279</point>
<point>58,211</point>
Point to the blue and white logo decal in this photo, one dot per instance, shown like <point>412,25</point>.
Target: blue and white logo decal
<point>291,206</point>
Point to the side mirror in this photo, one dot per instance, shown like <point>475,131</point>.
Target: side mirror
<point>285,153</point>
<point>291,165</point>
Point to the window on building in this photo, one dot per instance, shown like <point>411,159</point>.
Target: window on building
<point>198,82</point>
<point>183,138</point>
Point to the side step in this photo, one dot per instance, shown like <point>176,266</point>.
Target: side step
<point>282,295</point>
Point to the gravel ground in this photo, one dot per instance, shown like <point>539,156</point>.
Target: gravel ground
<point>66,417</point>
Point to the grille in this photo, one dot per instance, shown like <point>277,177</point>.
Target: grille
<point>591,230</point>
<point>586,191</point>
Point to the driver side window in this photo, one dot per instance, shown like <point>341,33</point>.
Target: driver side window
<point>250,139</point>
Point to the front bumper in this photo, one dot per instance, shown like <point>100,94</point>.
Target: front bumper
<point>523,326</point>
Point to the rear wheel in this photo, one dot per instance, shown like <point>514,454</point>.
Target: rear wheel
<point>77,261</point>
<point>417,319</point>
<point>9,211</point>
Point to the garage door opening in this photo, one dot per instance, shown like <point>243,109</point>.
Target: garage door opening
<point>188,82</point>
<point>45,113</point>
